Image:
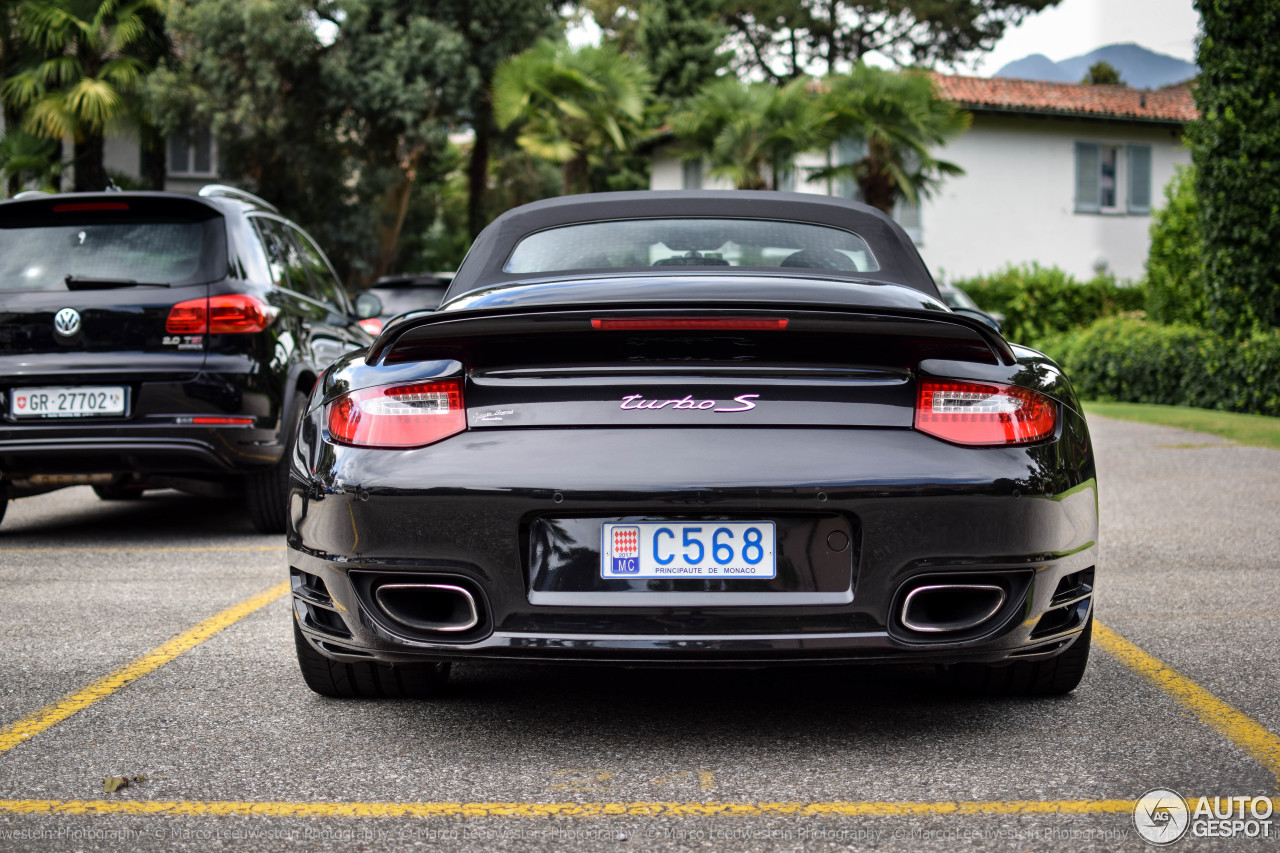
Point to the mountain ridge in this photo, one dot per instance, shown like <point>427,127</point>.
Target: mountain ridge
<point>1139,67</point>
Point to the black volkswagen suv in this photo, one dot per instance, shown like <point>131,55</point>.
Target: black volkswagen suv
<point>157,340</point>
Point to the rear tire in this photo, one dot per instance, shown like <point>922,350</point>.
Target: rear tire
<point>1055,676</point>
<point>367,680</point>
<point>267,492</point>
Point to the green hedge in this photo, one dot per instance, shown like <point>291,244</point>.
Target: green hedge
<point>1131,360</point>
<point>1175,263</point>
<point>1039,302</point>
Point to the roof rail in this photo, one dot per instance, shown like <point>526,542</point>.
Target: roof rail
<point>224,191</point>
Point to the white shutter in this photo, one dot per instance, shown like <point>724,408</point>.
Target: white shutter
<point>1088,177</point>
<point>1139,179</point>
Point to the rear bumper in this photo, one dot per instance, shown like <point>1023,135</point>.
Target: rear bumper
<point>463,511</point>
<point>145,451</point>
<point>157,436</point>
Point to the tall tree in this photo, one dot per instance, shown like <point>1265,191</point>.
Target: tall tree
<point>493,31</point>
<point>786,39</point>
<point>26,158</point>
<point>1235,146</point>
<point>680,42</point>
<point>156,49</point>
<point>397,80</point>
<point>901,119</point>
<point>88,65</point>
<point>1102,73</point>
<point>253,74</point>
<point>750,133</point>
<point>573,105</point>
<point>619,22</point>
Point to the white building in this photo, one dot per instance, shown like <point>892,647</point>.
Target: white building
<point>191,159</point>
<point>1060,174</point>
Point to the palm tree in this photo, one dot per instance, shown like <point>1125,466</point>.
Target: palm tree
<point>573,106</point>
<point>900,117</point>
<point>751,133</point>
<point>25,159</point>
<point>88,68</point>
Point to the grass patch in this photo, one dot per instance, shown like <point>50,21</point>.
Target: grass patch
<point>1256,430</point>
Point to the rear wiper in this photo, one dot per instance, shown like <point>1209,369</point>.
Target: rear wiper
<point>90,283</point>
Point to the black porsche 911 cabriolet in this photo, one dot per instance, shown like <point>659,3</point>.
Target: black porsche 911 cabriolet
<point>692,429</point>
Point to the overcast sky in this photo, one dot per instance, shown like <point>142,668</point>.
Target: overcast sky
<point>1074,27</point>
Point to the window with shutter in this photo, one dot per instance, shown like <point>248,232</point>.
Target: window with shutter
<point>1139,179</point>
<point>192,153</point>
<point>1088,177</point>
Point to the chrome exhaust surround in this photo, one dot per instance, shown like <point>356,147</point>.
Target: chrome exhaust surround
<point>951,607</point>
<point>428,607</point>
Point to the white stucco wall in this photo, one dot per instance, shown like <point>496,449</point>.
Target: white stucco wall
<point>120,154</point>
<point>1016,201</point>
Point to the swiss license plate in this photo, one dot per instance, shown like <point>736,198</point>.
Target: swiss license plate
<point>701,549</point>
<point>69,402</point>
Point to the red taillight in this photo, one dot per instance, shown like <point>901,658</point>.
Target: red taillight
<point>229,314</point>
<point>972,413</point>
<point>372,325</point>
<point>236,313</point>
<point>89,206</point>
<point>390,416</point>
<point>221,421</point>
<point>681,324</point>
<point>188,318</point>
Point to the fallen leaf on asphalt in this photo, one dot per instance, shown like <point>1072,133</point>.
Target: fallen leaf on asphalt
<point>111,784</point>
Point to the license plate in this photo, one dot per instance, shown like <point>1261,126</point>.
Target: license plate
<point>703,549</point>
<point>74,402</point>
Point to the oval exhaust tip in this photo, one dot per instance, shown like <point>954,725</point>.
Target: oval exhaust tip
<point>430,607</point>
<point>951,607</point>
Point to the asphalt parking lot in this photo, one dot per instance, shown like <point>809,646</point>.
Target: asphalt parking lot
<point>151,639</point>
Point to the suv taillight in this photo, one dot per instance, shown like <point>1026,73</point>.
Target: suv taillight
<point>974,413</point>
<point>391,416</point>
<point>232,313</point>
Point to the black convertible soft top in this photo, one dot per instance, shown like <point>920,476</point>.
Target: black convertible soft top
<point>898,259</point>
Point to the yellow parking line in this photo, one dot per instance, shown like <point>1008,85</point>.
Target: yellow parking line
<point>575,810</point>
<point>1258,742</point>
<point>33,724</point>
<point>185,549</point>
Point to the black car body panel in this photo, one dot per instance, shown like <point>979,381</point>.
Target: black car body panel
<point>807,426</point>
<point>202,410</point>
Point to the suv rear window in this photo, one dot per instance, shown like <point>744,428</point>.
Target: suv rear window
<point>39,252</point>
<point>676,243</point>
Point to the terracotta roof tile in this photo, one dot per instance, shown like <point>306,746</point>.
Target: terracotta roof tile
<point>1170,104</point>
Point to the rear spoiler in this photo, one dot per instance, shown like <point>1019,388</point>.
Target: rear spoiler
<point>412,332</point>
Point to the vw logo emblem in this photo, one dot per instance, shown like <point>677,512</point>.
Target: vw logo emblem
<point>66,322</point>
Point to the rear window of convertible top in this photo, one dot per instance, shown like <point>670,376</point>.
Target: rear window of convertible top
<point>682,243</point>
